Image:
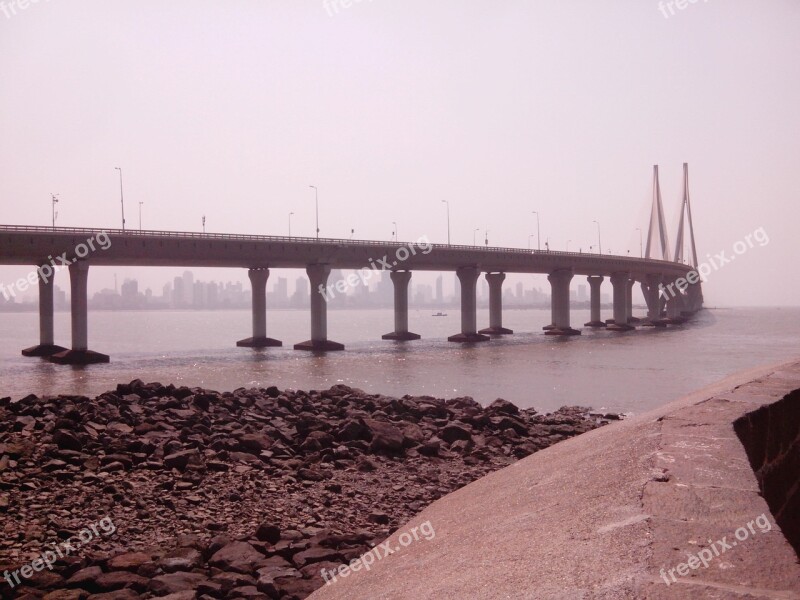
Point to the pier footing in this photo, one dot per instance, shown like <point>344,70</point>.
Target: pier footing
<point>496,331</point>
<point>259,342</point>
<point>468,338</point>
<point>79,357</point>
<point>562,331</point>
<point>43,350</point>
<point>401,336</point>
<point>319,346</point>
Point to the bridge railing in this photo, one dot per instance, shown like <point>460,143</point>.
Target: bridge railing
<point>194,235</point>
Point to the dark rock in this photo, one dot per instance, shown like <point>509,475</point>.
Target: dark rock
<point>503,406</point>
<point>236,556</point>
<point>268,533</point>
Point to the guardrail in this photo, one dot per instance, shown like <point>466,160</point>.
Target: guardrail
<point>193,235</point>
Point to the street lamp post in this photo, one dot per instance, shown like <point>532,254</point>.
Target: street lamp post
<point>568,241</point>
<point>477,229</point>
<point>529,240</point>
<point>290,224</point>
<point>316,204</point>
<point>599,245</point>
<point>204,223</point>
<point>140,214</point>
<point>54,201</point>
<point>538,237</point>
<point>641,248</point>
<point>448,221</point>
<point>121,197</point>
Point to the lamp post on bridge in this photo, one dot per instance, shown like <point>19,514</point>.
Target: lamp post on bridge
<point>290,224</point>
<point>529,240</point>
<point>568,241</point>
<point>599,244</point>
<point>121,197</point>
<point>54,201</point>
<point>204,223</point>
<point>316,205</point>
<point>140,215</point>
<point>538,237</point>
<point>641,249</point>
<point>474,231</point>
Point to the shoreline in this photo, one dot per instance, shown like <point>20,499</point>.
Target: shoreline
<point>253,491</point>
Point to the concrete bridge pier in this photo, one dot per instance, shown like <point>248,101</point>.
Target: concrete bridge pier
<point>495,281</point>
<point>595,281</point>
<point>79,354</point>
<point>694,299</point>
<point>622,286</point>
<point>46,346</point>
<point>675,305</point>
<point>651,288</point>
<point>629,302</point>
<point>258,283</point>
<point>318,277</point>
<point>468,277</point>
<point>400,279</point>
<point>559,302</point>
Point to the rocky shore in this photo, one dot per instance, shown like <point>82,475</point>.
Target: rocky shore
<point>243,494</point>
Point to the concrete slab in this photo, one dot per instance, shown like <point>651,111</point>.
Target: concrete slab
<point>599,516</point>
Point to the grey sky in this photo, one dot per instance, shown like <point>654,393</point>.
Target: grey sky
<point>232,109</point>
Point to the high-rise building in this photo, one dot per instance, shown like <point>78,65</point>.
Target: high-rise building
<point>188,288</point>
<point>177,293</point>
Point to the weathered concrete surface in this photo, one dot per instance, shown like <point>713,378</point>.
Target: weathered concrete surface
<point>598,516</point>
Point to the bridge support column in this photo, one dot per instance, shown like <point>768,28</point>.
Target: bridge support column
<point>559,301</point>
<point>400,279</point>
<point>595,281</point>
<point>318,277</point>
<point>468,277</point>
<point>621,285</point>
<point>675,304</point>
<point>651,288</point>
<point>258,283</point>
<point>694,299</point>
<point>495,281</point>
<point>629,302</point>
<point>46,346</point>
<point>79,354</point>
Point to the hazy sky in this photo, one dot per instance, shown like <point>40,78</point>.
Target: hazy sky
<point>232,109</point>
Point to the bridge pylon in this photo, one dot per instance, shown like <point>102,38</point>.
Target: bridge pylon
<point>658,225</point>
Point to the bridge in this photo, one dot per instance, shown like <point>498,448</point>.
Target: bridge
<point>671,288</point>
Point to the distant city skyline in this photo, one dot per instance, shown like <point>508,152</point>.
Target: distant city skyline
<point>186,291</point>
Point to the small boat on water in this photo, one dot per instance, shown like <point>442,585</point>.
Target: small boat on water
<point>439,314</point>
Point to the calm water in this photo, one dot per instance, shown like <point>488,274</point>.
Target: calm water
<point>621,372</point>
